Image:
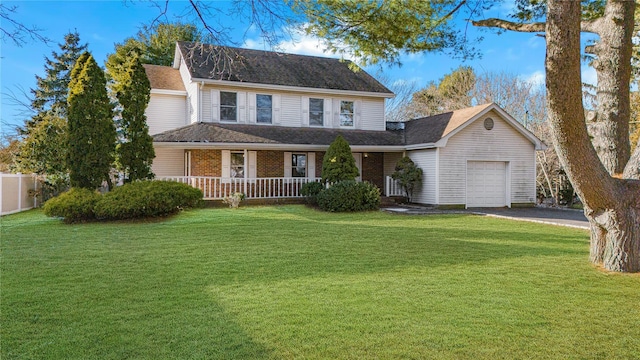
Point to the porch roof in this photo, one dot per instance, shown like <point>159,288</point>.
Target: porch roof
<point>211,133</point>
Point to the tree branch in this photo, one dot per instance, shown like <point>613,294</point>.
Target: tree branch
<point>510,25</point>
<point>590,26</point>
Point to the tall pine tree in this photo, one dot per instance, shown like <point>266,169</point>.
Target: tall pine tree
<point>40,150</point>
<point>91,131</point>
<point>135,153</point>
<point>50,95</point>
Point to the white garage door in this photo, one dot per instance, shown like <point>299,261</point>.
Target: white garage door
<point>486,184</point>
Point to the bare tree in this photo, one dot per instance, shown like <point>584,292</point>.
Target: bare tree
<point>16,31</point>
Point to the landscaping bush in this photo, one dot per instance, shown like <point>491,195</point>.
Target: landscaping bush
<point>147,199</point>
<point>310,191</point>
<point>75,205</point>
<point>349,195</point>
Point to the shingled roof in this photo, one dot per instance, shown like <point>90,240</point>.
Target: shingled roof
<point>206,61</point>
<point>257,134</point>
<point>433,128</point>
<point>164,77</point>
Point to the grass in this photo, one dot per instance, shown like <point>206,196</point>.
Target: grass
<point>291,282</point>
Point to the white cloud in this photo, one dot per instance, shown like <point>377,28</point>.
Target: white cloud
<point>537,78</point>
<point>299,43</point>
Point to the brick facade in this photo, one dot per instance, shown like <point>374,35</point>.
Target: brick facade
<point>373,169</point>
<point>270,164</point>
<point>206,163</point>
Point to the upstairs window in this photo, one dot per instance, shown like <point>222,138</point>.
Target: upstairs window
<point>346,113</point>
<point>316,112</point>
<point>298,165</point>
<point>264,109</point>
<point>228,106</point>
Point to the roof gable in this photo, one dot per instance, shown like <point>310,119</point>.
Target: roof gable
<point>209,62</point>
<point>164,77</point>
<point>437,129</point>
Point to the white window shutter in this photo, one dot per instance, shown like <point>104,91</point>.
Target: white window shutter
<point>253,160</point>
<point>311,165</point>
<point>327,119</point>
<point>251,99</point>
<point>226,164</point>
<point>357,109</point>
<point>336,114</point>
<point>287,164</point>
<point>275,108</point>
<point>242,106</point>
<point>305,111</point>
<point>215,105</point>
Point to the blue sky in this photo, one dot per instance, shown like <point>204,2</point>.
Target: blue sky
<point>104,23</point>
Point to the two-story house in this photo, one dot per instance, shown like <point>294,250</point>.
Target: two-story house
<point>259,122</point>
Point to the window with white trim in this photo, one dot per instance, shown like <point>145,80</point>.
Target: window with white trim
<point>264,108</point>
<point>298,165</point>
<point>316,112</point>
<point>228,106</point>
<point>346,113</point>
<point>237,165</point>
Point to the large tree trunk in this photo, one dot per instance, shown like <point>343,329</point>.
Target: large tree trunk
<point>609,127</point>
<point>612,205</point>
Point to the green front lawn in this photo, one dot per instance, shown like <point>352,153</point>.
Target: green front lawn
<point>291,282</point>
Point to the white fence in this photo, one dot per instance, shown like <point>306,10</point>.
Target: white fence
<point>14,192</point>
<point>216,188</point>
<point>392,188</point>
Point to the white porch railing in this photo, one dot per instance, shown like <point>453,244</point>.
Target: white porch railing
<point>217,188</point>
<point>392,188</point>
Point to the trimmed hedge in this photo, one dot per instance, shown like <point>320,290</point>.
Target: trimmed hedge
<point>310,191</point>
<point>131,201</point>
<point>147,199</point>
<point>349,195</point>
<point>75,205</point>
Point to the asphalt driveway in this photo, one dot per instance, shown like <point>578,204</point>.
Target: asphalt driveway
<point>562,217</point>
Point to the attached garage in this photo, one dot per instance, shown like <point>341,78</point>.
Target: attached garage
<point>474,157</point>
<point>487,184</point>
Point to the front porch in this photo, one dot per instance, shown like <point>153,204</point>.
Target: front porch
<point>217,188</point>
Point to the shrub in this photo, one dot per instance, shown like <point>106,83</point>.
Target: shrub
<point>338,163</point>
<point>349,195</point>
<point>408,175</point>
<point>310,191</point>
<point>234,200</point>
<point>147,199</point>
<point>74,205</point>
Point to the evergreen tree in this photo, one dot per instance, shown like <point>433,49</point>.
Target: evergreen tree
<point>51,92</point>
<point>338,163</point>
<point>408,175</point>
<point>135,153</point>
<point>42,147</point>
<point>91,131</point>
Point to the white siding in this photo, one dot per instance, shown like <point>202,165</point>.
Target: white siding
<point>390,161</point>
<point>168,162</point>
<point>502,143</point>
<point>425,193</point>
<point>192,93</point>
<point>369,112</point>
<point>372,115</point>
<point>166,112</point>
